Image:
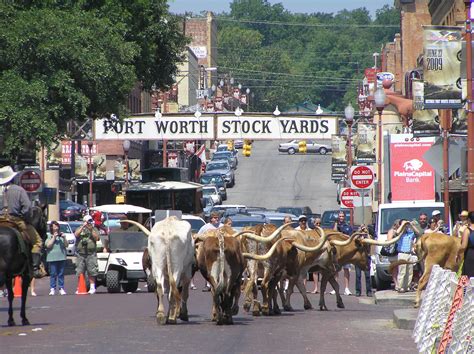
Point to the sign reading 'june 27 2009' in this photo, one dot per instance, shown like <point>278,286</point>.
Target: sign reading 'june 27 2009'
<point>206,127</point>
<point>258,127</point>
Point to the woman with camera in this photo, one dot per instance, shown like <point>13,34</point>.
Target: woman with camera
<point>56,245</point>
<point>86,238</point>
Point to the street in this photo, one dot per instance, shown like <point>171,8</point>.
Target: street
<point>122,323</point>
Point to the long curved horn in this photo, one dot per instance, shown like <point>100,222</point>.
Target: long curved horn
<point>140,226</point>
<point>265,256</point>
<point>265,239</point>
<point>243,232</point>
<point>369,241</point>
<point>305,248</point>
<point>346,242</point>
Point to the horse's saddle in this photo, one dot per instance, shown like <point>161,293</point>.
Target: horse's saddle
<point>9,221</point>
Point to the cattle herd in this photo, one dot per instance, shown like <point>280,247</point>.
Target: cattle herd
<point>231,261</point>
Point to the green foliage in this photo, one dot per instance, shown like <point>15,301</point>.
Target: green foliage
<point>64,60</point>
<point>287,58</point>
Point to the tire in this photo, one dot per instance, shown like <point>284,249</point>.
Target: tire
<point>291,151</point>
<point>323,151</point>
<point>112,280</point>
<point>151,284</point>
<point>381,284</point>
<point>130,287</point>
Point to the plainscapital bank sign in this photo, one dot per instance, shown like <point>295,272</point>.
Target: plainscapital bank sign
<point>220,127</point>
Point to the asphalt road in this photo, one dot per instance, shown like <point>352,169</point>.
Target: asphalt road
<point>271,179</point>
<point>121,323</point>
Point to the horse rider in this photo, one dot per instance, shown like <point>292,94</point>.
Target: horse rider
<point>18,205</point>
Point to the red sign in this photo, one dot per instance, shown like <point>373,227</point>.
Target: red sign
<point>362,177</point>
<point>370,74</point>
<point>66,147</point>
<point>411,176</point>
<point>347,197</point>
<point>30,181</point>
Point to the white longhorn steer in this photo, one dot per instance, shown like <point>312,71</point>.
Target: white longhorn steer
<point>171,250</point>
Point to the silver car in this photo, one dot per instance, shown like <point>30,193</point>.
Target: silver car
<point>213,192</point>
<point>222,167</point>
<point>312,147</point>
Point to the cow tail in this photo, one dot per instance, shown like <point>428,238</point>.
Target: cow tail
<point>174,293</point>
<point>221,281</point>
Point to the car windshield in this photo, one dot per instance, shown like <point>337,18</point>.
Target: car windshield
<point>217,166</point>
<point>329,218</point>
<point>196,224</point>
<point>290,210</point>
<point>128,241</point>
<point>208,191</point>
<point>211,179</point>
<point>65,228</point>
<point>220,157</point>
<point>389,215</point>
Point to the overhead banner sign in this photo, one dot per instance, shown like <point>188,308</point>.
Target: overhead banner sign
<point>411,176</point>
<point>254,127</point>
<point>365,142</point>
<point>339,157</point>
<point>151,128</point>
<point>260,127</point>
<point>442,67</point>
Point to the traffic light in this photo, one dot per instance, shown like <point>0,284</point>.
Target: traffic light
<point>247,148</point>
<point>302,147</point>
<point>230,145</point>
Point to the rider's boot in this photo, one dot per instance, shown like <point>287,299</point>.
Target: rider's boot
<point>37,271</point>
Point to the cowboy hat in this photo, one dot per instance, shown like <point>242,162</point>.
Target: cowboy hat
<point>6,174</point>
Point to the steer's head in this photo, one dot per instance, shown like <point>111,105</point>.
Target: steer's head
<point>355,252</point>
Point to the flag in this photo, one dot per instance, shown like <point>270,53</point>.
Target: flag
<point>201,153</point>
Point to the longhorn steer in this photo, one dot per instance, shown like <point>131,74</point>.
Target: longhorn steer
<point>171,252</point>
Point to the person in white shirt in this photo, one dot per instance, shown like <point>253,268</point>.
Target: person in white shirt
<point>303,223</point>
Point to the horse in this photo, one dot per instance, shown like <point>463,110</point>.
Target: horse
<point>13,262</point>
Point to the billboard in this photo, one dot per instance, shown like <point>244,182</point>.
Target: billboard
<point>426,122</point>
<point>339,157</point>
<point>411,176</point>
<point>442,67</point>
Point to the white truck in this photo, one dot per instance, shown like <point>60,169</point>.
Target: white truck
<point>387,214</point>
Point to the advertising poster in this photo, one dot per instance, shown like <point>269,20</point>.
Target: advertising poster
<point>81,168</point>
<point>459,126</point>
<point>426,122</point>
<point>339,157</point>
<point>134,167</point>
<point>418,94</point>
<point>411,176</point>
<point>442,67</point>
<point>99,166</point>
<point>365,142</point>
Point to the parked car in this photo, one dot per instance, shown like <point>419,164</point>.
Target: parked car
<point>195,221</point>
<point>306,210</point>
<point>68,210</point>
<point>276,218</point>
<point>208,204</point>
<point>329,217</point>
<point>312,147</point>
<point>212,192</point>
<point>223,147</point>
<point>66,229</point>
<point>229,209</point>
<point>224,169</point>
<point>217,180</point>
<point>239,221</point>
<point>233,159</point>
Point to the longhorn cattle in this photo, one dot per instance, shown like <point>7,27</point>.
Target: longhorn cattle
<point>171,253</point>
<point>431,249</point>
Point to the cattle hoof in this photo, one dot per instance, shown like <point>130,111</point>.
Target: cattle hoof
<point>25,322</point>
<point>288,308</point>
<point>171,321</point>
<point>308,306</point>
<point>11,323</point>
<point>416,305</point>
<point>256,312</point>
<point>266,312</point>
<point>235,310</point>
<point>161,319</point>
<point>323,308</point>
<point>184,317</point>
<point>340,305</point>
<point>277,311</point>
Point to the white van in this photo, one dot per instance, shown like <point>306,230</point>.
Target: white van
<point>387,214</point>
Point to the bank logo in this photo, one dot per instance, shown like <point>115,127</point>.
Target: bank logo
<point>412,165</point>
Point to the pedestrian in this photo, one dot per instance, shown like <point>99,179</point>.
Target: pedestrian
<point>211,225</point>
<point>467,247</point>
<point>405,253</point>
<point>227,222</point>
<point>302,223</point>
<point>342,226</point>
<point>86,240</point>
<point>56,244</point>
<point>432,226</point>
<point>436,214</point>
<point>390,236</point>
<point>358,270</point>
<point>423,221</point>
<point>287,219</point>
<point>461,224</point>
<point>19,205</point>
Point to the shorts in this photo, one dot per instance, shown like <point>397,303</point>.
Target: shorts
<point>88,263</point>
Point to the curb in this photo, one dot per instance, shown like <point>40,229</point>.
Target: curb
<point>405,318</point>
<point>390,297</point>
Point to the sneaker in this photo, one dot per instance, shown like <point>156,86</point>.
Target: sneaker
<point>62,292</point>
<point>369,294</point>
<point>33,293</point>
<point>51,292</point>
<point>206,288</point>
<point>193,287</point>
<point>347,292</point>
<point>91,291</point>
<point>333,292</point>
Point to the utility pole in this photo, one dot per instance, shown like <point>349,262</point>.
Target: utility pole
<point>470,108</point>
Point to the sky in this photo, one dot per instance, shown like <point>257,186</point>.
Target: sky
<point>304,6</point>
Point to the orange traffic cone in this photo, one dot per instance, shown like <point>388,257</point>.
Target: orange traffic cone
<point>81,286</point>
<point>17,286</point>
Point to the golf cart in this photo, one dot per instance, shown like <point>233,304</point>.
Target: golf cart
<point>120,263</point>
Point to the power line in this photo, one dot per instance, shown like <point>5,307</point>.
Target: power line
<point>300,24</point>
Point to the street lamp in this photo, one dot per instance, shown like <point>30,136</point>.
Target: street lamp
<point>247,91</point>
<point>379,97</point>
<point>349,115</point>
<point>276,112</point>
<point>90,143</point>
<point>320,111</point>
<point>126,149</point>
